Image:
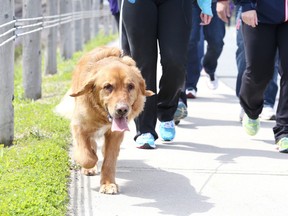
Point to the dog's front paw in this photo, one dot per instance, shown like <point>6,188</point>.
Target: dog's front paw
<point>109,188</point>
<point>85,157</point>
<point>89,172</point>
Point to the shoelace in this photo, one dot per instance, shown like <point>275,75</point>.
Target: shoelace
<point>253,121</point>
<point>284,139</point>
<point>168,124</point>
<point>146,135</point>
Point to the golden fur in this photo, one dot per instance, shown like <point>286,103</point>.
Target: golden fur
<point>107,88</point>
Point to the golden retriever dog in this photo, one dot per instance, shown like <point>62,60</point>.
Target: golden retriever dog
<point>109,92</point>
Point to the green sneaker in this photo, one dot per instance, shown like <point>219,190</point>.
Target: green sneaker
<point>251,126</point>
<point>283,145</point>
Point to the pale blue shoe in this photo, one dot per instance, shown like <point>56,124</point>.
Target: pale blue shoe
<point>145,141</point>
<point>167,130</point>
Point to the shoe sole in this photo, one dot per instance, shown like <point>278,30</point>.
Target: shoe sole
<point>283,151</point>
<point>253,133</point>
<point>146,146</point>
<point>167,141</point>
<point>190,96</point>
<point>273,117</point>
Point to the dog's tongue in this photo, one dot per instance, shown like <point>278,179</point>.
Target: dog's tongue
<point>119,124</point>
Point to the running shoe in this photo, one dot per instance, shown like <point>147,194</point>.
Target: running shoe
<point>191,93</point>
<point>212,82</point>
<point>251,126</point>
<point>145,141</point>
<point>283,145</point>
<point>167,130</point>
<point>180,113</point>
<point>241,114</point>
<point>268,113</point>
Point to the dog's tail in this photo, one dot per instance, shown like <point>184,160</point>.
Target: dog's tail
<point>66,106</point>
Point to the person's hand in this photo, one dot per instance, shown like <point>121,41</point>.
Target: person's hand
<point>223,11</point>
<point>205,19</point>
<point>250,18</point>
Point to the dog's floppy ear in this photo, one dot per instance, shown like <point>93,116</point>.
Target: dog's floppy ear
<point>149,93</point>
<point>88,87</point>
<point>143,90</point>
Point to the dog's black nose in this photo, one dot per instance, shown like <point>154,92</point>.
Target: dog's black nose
<point>122,110</point>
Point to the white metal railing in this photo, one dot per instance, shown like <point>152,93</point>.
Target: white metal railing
<point>24,26</point>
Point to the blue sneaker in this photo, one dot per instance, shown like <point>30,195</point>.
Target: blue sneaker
<point>145,141</point>
<point>167,130</point>
<point>180,113</point>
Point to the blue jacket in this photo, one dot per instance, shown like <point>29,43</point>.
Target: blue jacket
<point>268,11</point>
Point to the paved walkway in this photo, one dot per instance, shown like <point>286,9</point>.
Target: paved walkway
<point>212,168</point>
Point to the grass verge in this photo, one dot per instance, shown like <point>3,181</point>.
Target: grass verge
<point>35,171</point>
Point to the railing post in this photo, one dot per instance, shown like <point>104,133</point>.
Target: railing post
<point>6,76</point>
<point>87,4</point>
<point>66,36</point>
<point>51,49</point>
<point>95,22</point>
<point>32,78</point>
<point>78,25</point>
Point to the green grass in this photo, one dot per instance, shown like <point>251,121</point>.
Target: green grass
<point>35,171</point>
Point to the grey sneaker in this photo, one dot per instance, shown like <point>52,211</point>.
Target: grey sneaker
<point>180,113</point>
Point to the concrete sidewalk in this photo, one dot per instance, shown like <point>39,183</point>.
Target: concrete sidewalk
<point>212,168</point>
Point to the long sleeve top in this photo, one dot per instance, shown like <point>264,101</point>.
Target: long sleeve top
<point>268,11</point>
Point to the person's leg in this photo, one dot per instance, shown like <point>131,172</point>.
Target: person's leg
<point>240,58</point>
<point>272,88</point>
<point>125,45</point>
<point>173,34</point>
<point>260,55</point>
<point>281,128</point>
<point>214,34</point>
<point>270,93</point>
<point>142,33</point>
<point>193,63</point>
<point>200,49</point>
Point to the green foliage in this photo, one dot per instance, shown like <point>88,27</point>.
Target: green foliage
<point>35,171</point>
<point>17,52</point>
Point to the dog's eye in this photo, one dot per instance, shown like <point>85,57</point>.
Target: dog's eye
<point>108,87</point>
<point>130,86</point>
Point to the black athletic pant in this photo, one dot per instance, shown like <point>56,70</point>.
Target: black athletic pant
<point>167,22</point>
<point>124,40</point>
<point>261,44</point>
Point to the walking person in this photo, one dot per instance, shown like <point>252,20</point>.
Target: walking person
<point>214,34</point>
<point>168,24</point>
<point>265,30</point>
<point>114,8</point>
<point>268,113</point>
